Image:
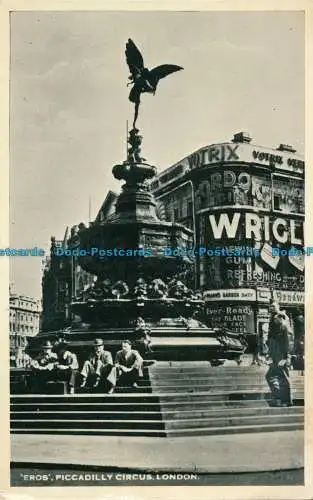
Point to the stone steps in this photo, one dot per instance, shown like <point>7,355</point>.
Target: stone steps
<point>217,375</point>
<point>221,399</point>
<point>175,399</point>
<point>86,407</point>
<point>200,423</point>
<point>196,413</point>
<point>75,415</point>
<point>213,431</point>
<point>129,413</point>
<point>84,398</point>
<point>242,389</point>
<point>232,420</point>
<point>83,423</point>
<point>223,395</point>
<point>203,404</point>
<point>217,413</point>
<point>229,367</point>
<point>244,429</point>
<point>216,371</point>
<point>91,432</point>
<point>17,386</point>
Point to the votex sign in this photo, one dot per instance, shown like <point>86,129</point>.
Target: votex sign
<point>232,152</point>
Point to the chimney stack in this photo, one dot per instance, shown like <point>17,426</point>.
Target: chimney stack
<point>242,137</point>
<point>286,147</point>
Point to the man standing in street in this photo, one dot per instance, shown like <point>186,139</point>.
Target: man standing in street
<point>279,351</point>
<point>98,366</point>
<point>274,310</point>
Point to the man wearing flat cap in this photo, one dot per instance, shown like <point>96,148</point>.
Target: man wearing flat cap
<point>98,366</point>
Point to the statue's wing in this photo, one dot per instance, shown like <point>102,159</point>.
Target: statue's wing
<point>134,58</point>
<point>161,71</point>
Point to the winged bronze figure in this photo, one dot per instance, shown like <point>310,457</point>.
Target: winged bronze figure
<point>142,78</point>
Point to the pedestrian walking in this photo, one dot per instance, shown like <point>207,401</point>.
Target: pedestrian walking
<point>279,351</point>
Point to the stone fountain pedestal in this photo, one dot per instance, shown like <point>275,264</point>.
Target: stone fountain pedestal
<point>147,297</point>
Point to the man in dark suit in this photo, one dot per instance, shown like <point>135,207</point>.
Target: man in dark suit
<point>98,366</point>
<point>274,310</point>
<point>128,364</point>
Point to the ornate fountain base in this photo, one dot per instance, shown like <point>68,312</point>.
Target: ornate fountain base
<point>165,341</point>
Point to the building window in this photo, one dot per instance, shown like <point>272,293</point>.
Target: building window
<point>80,283</point>
<point>189,208</point>
<point>276,202</point>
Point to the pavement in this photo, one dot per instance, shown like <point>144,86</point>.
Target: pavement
<point>257,452</point>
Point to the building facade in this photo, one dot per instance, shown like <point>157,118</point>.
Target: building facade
<point>62,279</point>
<point>24,319</point>
<point>245,203</point>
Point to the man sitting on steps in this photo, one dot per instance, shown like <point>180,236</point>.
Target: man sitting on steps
<point>128,365</point>
<point>66,369</point>
<point>43,366</point>
<point>98,366</point>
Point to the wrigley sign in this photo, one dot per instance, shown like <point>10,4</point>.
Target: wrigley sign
<point>257,227</point>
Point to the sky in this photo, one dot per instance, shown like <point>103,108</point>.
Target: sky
<point>69,104</point>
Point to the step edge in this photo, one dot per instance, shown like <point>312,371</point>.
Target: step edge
<point>256,426</point>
